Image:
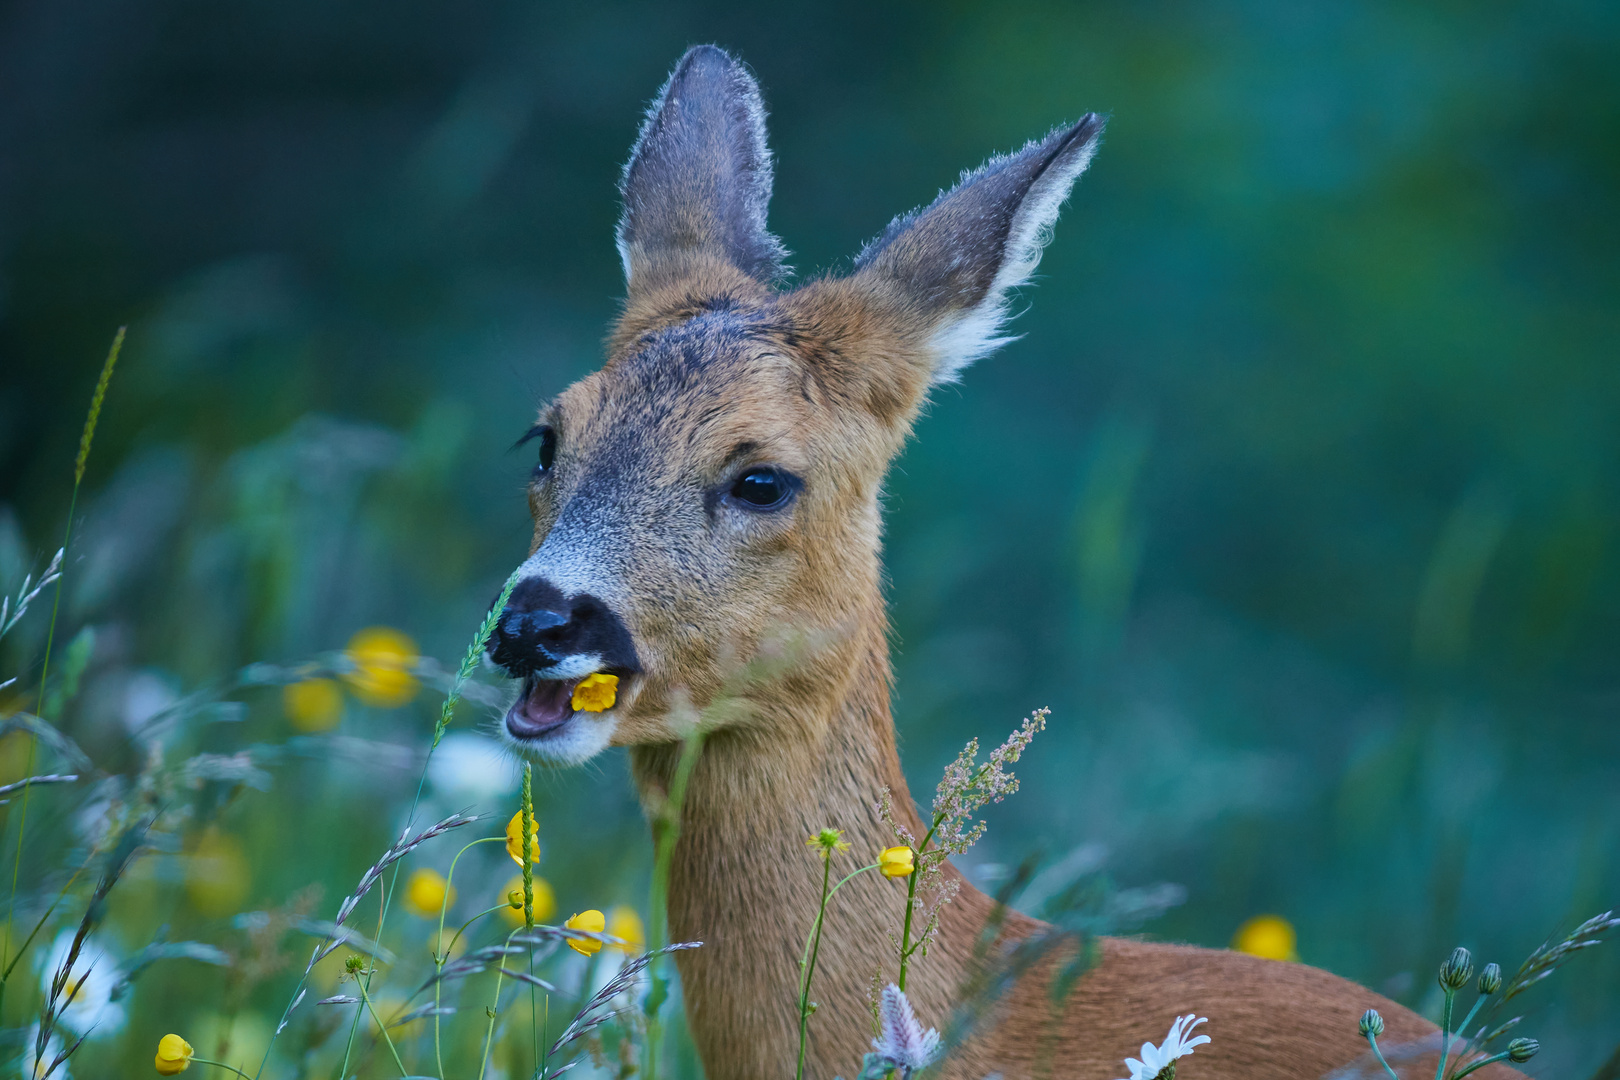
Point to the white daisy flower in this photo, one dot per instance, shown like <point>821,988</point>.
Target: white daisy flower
<point>1155,1059</point>
<point>88,1007</point>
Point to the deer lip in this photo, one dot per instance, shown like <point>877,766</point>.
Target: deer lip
<point>544,706</point>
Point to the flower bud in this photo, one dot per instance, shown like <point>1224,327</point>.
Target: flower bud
<point>1371,1023</point>
<point>897,862</point>
<point>1522,1050</point>
<point>1457,970</point>
<point>1490,980</point>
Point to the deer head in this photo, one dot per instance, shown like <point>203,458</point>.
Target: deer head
<point>716,483</point>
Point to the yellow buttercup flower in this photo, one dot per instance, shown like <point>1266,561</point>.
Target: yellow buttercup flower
<point>426,892</point>
<point>596,693</point>
<point>1270,936</point>
<point>592,921</point>
<point>218,875</point>
<point>545,901</point>
<point>313,704</point>
<point>514,839</point>
<point>624,922</point>
<point>173,1055</point>
<point>383,661</point>
<point>897,862</point>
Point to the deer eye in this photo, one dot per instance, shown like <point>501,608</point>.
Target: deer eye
<point>548,450</point>
<point>548,446</point>
<point>763,488</point>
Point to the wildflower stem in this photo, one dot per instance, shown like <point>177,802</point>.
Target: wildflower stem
<point>494,1011</point>
<point>1462,1028</point>
<point>1372,1041</point>
<point>911,897</point>
<point>1445,1034</point>
<point>382,1027</point>
<point>85,439</point>
<point>221,1065</point>
<point>438,959</point>
<point>1480,1064</point>
<point>808,967</point>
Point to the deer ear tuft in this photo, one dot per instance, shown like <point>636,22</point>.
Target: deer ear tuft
<point>699,178</point>
<point>952,265</point>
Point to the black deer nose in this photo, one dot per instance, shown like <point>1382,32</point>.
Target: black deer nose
<point>541,627</point>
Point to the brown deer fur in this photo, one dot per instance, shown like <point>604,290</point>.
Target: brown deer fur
<point>711,370</point>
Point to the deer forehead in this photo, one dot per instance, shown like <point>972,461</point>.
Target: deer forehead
<point>694,401</point>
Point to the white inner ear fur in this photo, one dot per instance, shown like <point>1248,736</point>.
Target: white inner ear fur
<point>966,336</point>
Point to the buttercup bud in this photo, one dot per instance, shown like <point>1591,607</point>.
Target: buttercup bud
<point>1522,1050</point>
<point>1371,1023</point>
<point>1457,970</point>
<point>1490,980</point>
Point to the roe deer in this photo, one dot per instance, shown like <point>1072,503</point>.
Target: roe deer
<point>718,479</point>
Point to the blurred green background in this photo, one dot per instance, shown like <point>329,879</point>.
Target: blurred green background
<point>1296,502</point>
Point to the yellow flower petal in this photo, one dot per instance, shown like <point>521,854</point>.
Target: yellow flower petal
<point>596,693</point>
<point>427,892</point>
<point>897,862</point>
<point>313,704</point>
<point>1269,936</point>
<point>624,922</point>
<point>514,839</point>
<point>383,663</point>
<point>173,1055</point>
<point>592,921</point>
<point>545,900</point>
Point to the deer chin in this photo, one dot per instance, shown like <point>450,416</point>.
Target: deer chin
<point>543,723</point>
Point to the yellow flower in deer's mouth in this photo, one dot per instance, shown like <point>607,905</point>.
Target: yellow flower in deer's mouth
<point>173,1055</point>
<point>383,662</point>
<point>592,921</point>
<point>426,892</point>
<point>514,839</point>
<point>897,862</point>
<point>596,693</point>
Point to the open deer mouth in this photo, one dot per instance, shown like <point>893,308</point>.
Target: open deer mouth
<point>543,707</point>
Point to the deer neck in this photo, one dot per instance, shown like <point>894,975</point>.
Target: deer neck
<point>744,882</point>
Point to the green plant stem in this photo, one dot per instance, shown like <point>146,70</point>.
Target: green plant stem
<point>808,967</point>
<point>1462,1028</point>
<point>382,1028</point>
<point>1372,1041</point>
<point>666,831</point>
<point>438,959</point>
<point>85,439</point>
<point>494,1011</point>
<point>221,1065</point>
<point>528,893</point>
<point>1480,1064</point>
<point>1445,1034</point>
<point>911,898</point>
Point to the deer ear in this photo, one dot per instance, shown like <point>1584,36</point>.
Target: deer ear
<point>949,267</point>
<point>699,177</point>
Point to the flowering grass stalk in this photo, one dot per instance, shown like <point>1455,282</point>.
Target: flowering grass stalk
<point>469,661</point>
<point>965,788</point>
<point>85,439</point>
